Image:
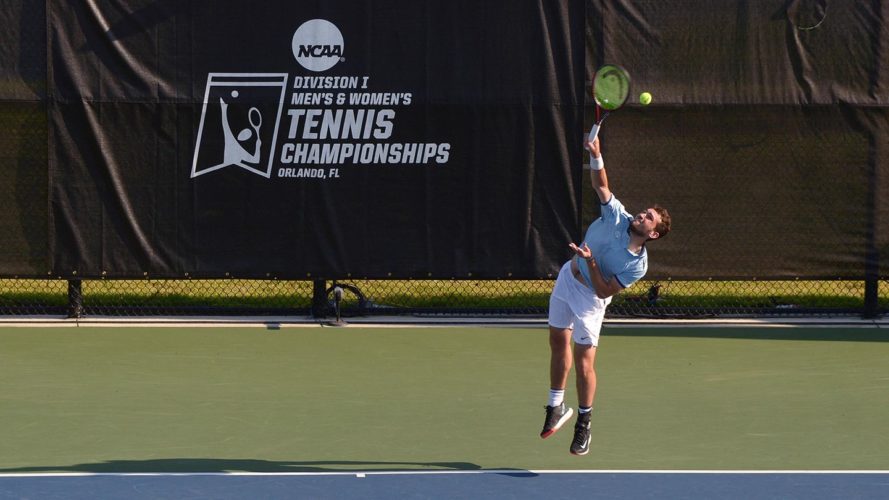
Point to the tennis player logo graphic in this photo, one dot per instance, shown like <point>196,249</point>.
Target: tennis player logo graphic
<point>232,131</point>
<point>242,111</point>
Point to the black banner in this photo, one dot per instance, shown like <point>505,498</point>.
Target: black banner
<point>377,139</point>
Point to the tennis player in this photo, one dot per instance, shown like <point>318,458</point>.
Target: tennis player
<point>611,258</point>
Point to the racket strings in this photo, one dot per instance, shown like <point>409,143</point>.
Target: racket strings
<point>611,87</point>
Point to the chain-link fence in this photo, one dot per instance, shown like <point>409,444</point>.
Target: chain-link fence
<point>530,298</point>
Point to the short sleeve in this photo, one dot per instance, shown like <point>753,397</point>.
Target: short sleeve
<point>612,210</point>
<point>630,276</point>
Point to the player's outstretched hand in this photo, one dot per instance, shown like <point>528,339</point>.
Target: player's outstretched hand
<point>583,252</point>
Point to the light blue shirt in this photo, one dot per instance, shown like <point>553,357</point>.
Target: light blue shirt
<point>608,238</point>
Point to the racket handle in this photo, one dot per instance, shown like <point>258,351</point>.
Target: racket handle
<point>594,132</point>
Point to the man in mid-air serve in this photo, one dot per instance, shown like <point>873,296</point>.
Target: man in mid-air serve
<point>611,258</point>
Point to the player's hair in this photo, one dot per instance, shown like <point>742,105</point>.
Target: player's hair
<point>664,226</point>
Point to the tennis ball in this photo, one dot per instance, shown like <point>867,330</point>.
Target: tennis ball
<point>645,98</point>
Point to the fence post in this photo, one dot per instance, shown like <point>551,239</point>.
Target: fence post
<point>871,291</point>
<point>319,299</point>
<point>871,253</point>
<point>75,299</point>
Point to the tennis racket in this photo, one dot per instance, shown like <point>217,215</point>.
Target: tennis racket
<point>610,89</point>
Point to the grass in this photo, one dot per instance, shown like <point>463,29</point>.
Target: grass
<point>717,294</point>
<point>432,294</point>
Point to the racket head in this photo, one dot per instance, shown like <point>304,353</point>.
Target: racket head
<point>611,87</point>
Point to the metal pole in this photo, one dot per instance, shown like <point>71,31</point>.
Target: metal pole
<point>319,299</point>
<point>75,299</point>
<point>872,252</point>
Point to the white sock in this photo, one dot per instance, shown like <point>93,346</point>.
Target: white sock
<point>556,397</point>
<point>584,409</point>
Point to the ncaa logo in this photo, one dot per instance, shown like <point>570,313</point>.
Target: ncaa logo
<point>318,45</point>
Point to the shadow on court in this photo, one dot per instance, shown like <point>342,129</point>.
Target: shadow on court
<point>199,465</point>
<point>868,334</point>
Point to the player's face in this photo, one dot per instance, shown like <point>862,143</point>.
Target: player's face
<point>645,222</point>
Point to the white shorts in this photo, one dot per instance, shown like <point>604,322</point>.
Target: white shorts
<point>575,306</point>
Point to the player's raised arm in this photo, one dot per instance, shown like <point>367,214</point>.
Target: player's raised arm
<point>597,174</point>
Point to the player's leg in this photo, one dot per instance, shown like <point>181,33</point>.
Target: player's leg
<point>586,339</point>
<point>584,362</point>
<point>560,357</point>
<point>557,412</point>
<point>561,322</point>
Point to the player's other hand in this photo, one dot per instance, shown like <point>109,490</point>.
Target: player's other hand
<point>583,252</point>
<point>593,147</point>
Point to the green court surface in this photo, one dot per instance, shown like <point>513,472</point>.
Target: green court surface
<point>94,399</point>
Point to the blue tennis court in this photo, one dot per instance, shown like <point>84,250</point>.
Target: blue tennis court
<point>809,485</point>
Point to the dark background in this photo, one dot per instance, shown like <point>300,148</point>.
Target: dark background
<point>767,138</point>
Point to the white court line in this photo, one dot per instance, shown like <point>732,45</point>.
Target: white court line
<point>428,473</point>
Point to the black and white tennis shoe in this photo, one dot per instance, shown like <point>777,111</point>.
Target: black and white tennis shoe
<point>581,443</point>
<point>555,417</point>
